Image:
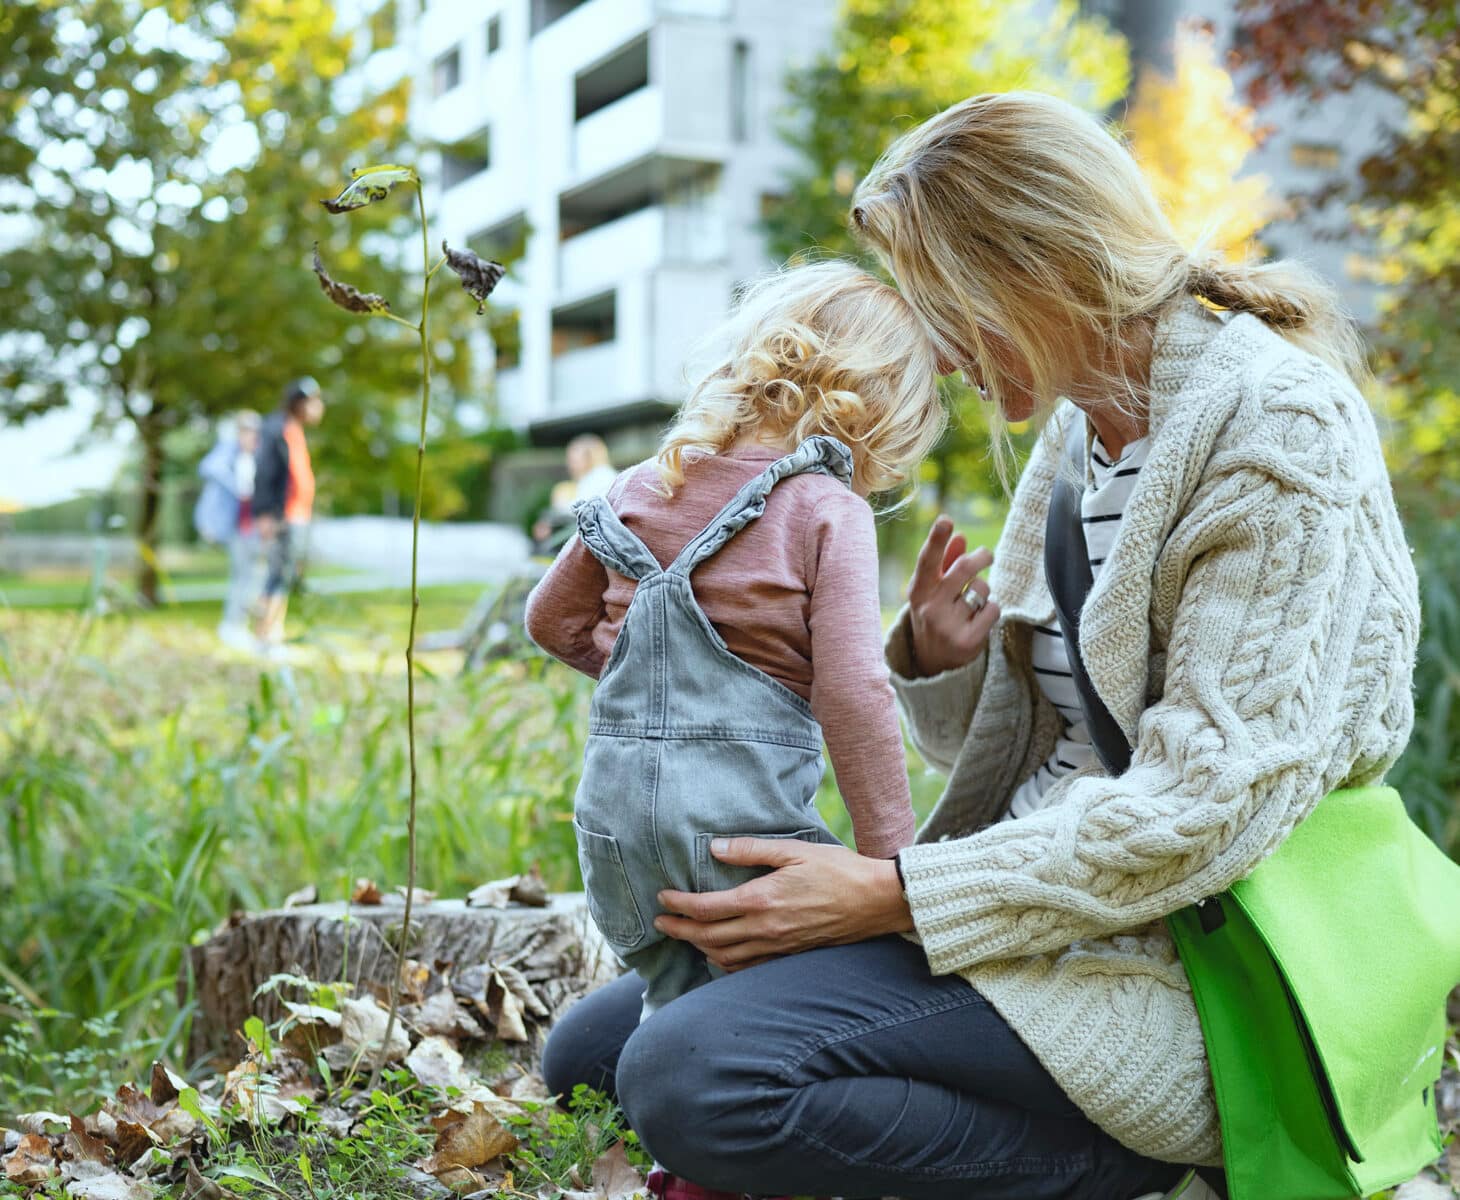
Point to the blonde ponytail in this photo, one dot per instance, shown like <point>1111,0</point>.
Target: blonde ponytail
<point>1290,298</point>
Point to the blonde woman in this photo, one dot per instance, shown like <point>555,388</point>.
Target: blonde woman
<point>725,598</point>
<point>1251,628</point>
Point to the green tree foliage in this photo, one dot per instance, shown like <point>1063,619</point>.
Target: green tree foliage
<point>1407,190</point>
<point>160,166</point>
<point>893,64</point>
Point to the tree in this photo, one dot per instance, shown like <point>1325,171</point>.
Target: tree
<point>1192,135</point>
<point>893,64</point>
<point>164,163</point>
<point>1407,190</point>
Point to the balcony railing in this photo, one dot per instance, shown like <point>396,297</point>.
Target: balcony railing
<point>627,129</point>
<point>588,378</point>
<point>603,255</point>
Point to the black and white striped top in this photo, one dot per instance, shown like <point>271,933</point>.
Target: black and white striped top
<point>1101,507</point>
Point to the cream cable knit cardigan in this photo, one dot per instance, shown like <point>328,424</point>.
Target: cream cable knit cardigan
<point>1253,631</point>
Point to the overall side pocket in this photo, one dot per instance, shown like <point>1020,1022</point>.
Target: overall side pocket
<point>606,882</point>
<point>712,875</point>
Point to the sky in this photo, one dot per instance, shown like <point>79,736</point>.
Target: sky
<point>37,466</point>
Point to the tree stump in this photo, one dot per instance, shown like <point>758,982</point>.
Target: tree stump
<point>557,948</point>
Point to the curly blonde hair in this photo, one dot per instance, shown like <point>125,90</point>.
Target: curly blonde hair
<point>818,348</point>
<point>1017,214</point>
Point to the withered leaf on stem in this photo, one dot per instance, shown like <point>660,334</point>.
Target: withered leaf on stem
<point>478,276</point>
<point>346,297</point>
<point>369,184</point>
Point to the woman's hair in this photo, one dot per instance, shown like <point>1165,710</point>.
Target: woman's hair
<point>1015,213</point>
<point>821,348</point>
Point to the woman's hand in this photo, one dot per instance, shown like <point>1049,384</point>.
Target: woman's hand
<point>947,631</point>
<point>819,895</point>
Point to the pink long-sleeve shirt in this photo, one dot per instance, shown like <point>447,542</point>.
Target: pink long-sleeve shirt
<point>794,594</point>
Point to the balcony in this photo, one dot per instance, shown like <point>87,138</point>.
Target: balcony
<point>594,261</point>
<point>590,378</point>
<point>511,397</point>
<point>624,131</point>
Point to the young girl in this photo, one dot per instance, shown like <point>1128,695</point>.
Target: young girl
<point>725,597</point>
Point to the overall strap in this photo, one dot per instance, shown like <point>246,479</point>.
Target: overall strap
<point>818,453</point>
<point>1067,571</point>
<point>611,542</point>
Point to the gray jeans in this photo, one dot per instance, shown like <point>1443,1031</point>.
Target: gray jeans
<point>849,1071</point>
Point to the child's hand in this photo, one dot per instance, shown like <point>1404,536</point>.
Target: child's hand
<point>949,629</point>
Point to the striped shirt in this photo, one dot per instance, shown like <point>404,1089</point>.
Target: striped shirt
<point>1103,503</point>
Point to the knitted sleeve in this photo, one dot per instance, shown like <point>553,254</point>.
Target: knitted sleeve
<point>939,708</point>
<point>1284,640</point>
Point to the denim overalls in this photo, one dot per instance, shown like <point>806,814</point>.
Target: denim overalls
<point>686,742</point>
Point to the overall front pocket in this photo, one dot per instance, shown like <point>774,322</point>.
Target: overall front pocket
<point>606,882</point>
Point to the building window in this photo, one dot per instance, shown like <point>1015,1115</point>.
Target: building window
<point>740,92</point>
<point>589,323</point>
<point>446,72</point>
<point>1316,156</point>
<point>494,35</point>
<point>622,73</point>
<point>461,160</point>
<point>545,12</point>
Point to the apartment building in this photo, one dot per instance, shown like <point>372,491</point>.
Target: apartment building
<point>625,148</point>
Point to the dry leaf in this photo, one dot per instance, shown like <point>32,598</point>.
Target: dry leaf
<point>438,1064</point>
<point>36,1122</point>
<point>31,1162</point>
<point>365,892</point>
<point>79,1145</point>
<point>102,1124</point>
<point>614,1176</point>
<point>132,1141</point>
<point>165,1084</point>
<point>197,1187</point>
<point>309,894</point>
<point>476,1095</point>
<point>532,1004</point>
<point>269,1096</point>
<point>504,1010</point>
<point>109,1185</point>
<point>531,889</point>
<point>363,1023</point>
<point>421,896</point>
<point>478,276</point>
<point>345,296</point>
<point>495,894</point>
<point>472,1140</point>
<point>440,1014</point>
<point>335,1121</point>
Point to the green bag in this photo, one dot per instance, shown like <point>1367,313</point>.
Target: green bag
<point>1320,979</point>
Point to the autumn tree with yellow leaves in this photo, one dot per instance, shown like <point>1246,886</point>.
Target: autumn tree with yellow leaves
<point>1192,136</point>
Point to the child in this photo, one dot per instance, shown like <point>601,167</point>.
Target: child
<point>725,597</point>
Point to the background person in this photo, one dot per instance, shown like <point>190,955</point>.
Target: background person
<point>590,474</point>
<point>223,516</point>
<point>283,500</point>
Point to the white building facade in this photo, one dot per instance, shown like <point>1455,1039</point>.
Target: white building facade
<point>626,148</point>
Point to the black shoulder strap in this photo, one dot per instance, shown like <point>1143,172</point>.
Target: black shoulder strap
<point>1067,571</point>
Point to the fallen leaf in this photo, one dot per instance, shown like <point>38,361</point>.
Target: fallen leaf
<point>474,1096</point>
<point>614,1176</point>
<point>132,1140</point>
<point>421,896</point>
<point>309,894</point>
<point>165,1084</point>
<point>198,1187</point>
<point>438,1064</point>
<point>269,1096</point>
<point>112,1185</point>
<point>504,1010</point>
<point>363,1023</point>
<point>36,1122</point>
<point>531,1003</point>
<point>365,892</point>
<point>531,889</point>
<point>102,1124</point>
<point>472,1140</point>
<point>78,1144</point>
<point>478,276</point>
<point>31,1162</point>
<point>441,1014</point>
<point>335,1121</point>
<point>495,894</point>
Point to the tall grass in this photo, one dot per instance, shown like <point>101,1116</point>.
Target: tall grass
<point>161,788</point>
